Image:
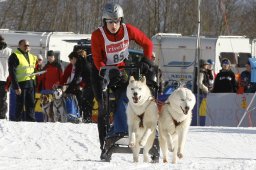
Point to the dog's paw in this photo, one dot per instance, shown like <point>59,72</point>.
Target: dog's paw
<point>131,144</point>
<point>146,160</point>
<point>165,160</point>
<point>180,155</point>
<point>142,143</point>
<point>135,159</point>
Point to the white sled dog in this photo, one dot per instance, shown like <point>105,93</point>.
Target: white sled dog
<point>174,122</point>
<point>142,116</point>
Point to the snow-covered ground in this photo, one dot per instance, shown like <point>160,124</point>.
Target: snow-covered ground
<point>25,145</point>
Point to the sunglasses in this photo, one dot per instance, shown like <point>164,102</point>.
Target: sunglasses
<point>111,21</point>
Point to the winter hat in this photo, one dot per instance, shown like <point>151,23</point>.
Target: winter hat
<point>50,53</point>
<point>73,54</point>
<point>203,62</point>
<point>39,57</point>
<point>225,61</point>
<point>210,61</point>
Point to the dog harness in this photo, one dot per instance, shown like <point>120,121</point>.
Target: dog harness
<point>176,123</point>
<point>57,106</point>
<point>141,116</point>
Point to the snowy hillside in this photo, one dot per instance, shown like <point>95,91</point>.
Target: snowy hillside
<point>28,146</point>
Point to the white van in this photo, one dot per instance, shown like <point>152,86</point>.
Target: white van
<point>175,54</point>
<point>62,43</point>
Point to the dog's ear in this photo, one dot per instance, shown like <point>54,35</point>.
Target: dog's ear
<point>131,79</point>
<point>143,80</point>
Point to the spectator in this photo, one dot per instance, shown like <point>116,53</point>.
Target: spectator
<point>77,77</point>
<point>110,47</point>
<point>225,81</point>
<point>246,84</point>
<point>211,73</point>
<point>5,52</point>
<point>204,79</point>
<point>84,69</point>
<point>21,68</point>
<point>39,67</point>
<point>53,73</point>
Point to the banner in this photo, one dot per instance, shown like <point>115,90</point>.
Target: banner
<point>227,109</point>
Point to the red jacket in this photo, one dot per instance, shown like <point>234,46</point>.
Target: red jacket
<point>98,45</point>
<point>67,74</point>
<point>39,78</point>
<point>52,76</point>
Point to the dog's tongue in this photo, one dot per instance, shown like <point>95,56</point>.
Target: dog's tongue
<point>135,99</point>
<point>185,111</point>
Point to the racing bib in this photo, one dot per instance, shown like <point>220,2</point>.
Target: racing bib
<point>117,51</point>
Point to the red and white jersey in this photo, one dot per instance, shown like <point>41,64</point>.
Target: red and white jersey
<point>117,51</point>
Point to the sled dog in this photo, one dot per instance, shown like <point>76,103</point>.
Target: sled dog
<point>58,106</point>
<point>47,110</point>
<point>174,122</point>
<point>142,116</point>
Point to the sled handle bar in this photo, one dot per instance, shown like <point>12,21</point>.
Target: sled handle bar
<point>119,68</point>
<point>105,77</point>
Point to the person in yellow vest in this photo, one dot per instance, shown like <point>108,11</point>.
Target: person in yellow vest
<point>21,68</point>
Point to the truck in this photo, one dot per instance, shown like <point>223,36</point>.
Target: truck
<point>62,43</point>
<point>175,54</point>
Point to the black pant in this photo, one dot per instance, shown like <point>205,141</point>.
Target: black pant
<point>27,99</point>
<point>87,98</point>
<point>3,103</point>
<point>96,82</point>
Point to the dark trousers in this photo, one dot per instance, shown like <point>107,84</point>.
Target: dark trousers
<point>3,103</point>
<point>96,81</point>
<point>87,98</point>
<point>120,107</point>
<point>25,99</point>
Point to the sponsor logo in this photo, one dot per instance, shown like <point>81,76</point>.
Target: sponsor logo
<point>181,76</point>
<point>112,48</point>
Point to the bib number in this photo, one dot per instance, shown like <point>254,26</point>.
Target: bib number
<point>118,58</point>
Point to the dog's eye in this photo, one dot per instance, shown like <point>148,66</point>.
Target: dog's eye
<point>182,99</point>
<point>132,88</point>
<point>139,88</point>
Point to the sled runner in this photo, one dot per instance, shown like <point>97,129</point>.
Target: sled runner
<point>116,140</point>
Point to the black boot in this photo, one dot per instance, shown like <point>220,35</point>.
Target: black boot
<point>103,154</point>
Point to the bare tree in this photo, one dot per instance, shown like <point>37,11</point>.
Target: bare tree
<point>220,17</point>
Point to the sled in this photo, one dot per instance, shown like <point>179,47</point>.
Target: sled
<point>117,142</point>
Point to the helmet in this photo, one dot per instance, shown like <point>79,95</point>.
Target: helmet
<point>112,11</point>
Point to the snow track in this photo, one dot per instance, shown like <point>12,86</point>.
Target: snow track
<point>25,145</point>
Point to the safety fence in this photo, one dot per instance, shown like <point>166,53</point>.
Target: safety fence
<point>227,109</point>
